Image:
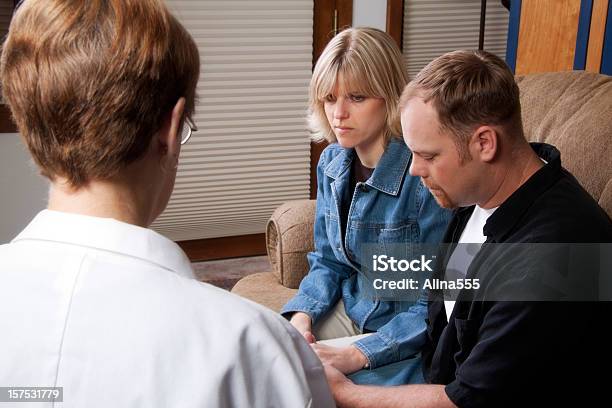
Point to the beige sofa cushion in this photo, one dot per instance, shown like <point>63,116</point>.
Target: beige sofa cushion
<point>263,288</point>
<point>573,111</point>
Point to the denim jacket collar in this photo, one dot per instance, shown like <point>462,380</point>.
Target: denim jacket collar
<point>389,172</point>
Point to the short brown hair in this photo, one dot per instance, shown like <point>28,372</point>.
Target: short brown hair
<point>89,81</point>
<point>468,89</point>
<point>371,64</point>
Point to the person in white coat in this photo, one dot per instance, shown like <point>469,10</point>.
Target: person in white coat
<point>91,300</point>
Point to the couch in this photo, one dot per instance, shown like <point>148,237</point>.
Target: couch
<point>570,110</point>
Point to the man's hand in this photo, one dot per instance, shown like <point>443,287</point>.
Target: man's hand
<point>340,385</point>
<point>303,323</point>
<point>346,359</point>
<point>350,395</point>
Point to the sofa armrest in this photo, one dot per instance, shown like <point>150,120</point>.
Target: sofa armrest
<point>289,237</point>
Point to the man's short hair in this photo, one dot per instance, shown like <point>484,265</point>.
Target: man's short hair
<point>89,82</point>
<point>469,89</point>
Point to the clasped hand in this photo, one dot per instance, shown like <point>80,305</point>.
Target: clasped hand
<point>345,359</point>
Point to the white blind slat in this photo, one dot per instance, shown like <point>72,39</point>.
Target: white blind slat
<point>189,186</point>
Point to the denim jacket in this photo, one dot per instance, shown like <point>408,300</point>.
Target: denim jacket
<point>390,207</point>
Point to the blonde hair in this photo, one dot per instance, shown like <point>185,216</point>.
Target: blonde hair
<point>371,65</point>
<point>89,82</point>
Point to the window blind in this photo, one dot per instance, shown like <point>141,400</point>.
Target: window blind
<point>252,150</point>
<point>434,27</point>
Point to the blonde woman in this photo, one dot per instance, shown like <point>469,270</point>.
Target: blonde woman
<point>364,195</point>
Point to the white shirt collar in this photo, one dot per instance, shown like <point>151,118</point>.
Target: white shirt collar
<point>107,234</point>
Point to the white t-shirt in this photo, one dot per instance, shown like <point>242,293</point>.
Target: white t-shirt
<point>111,312</point>
<point>461,257</point>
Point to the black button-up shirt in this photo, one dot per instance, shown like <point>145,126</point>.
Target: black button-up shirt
<point>523,353</point>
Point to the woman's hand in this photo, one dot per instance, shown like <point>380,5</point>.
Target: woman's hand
<point>345,359</point>
<point>303,323</point>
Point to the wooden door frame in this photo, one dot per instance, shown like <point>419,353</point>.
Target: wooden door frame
<point>6,121</point>
<point>395,21</point>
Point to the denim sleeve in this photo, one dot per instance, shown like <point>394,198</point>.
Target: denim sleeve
<point>321,288</point>
<point>402,337</point>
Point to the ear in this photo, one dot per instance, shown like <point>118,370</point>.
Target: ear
<point>168,136</point>
<point>484,143</point>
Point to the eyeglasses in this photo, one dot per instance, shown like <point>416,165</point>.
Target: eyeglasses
<point>188,130</point>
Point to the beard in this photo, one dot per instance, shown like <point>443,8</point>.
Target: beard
<point>440,196</point>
